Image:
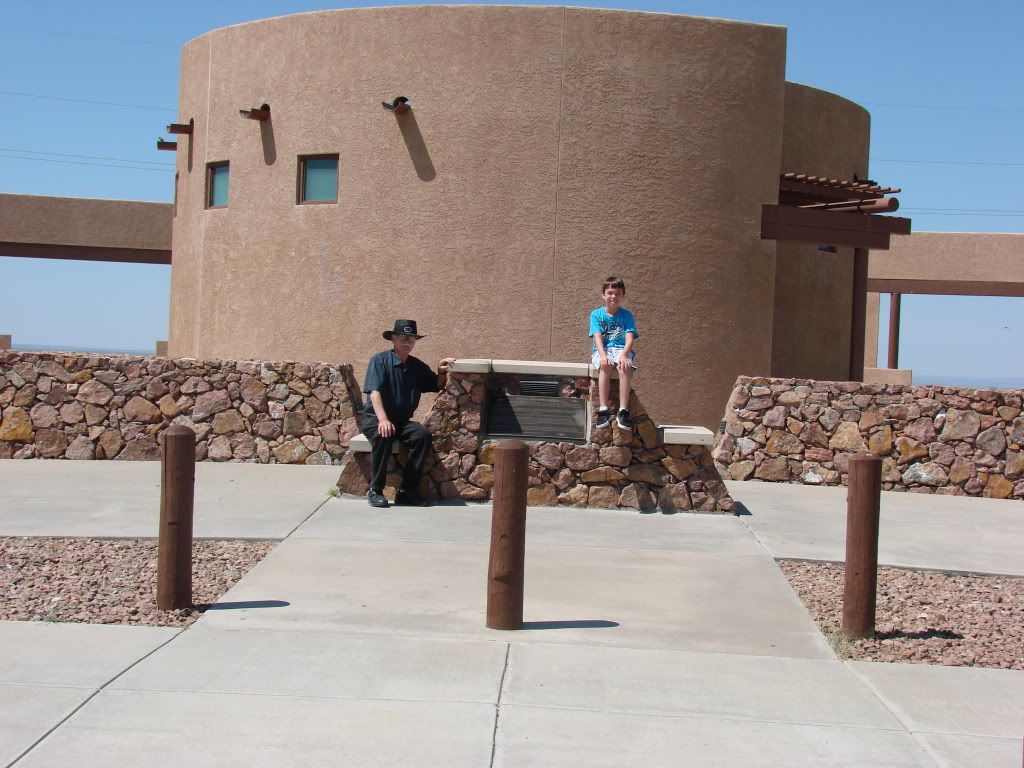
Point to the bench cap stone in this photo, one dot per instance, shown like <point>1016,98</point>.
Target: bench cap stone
<point>540,368</point>
<point>471,365</point>
<point>675,434</point>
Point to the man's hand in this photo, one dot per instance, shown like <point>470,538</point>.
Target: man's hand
<point>444,365</point>
<point>605,362</point>
<point>385,428</point>
<point>624,366</point>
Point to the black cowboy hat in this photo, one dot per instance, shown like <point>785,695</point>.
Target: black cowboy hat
<point>404,327</point>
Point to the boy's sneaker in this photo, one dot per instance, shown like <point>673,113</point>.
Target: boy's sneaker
<point>377,499</point>
<point>622,419</point>
<point>603,418</point>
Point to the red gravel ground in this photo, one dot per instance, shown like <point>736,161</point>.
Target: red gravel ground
<point>925,617</point>
<point>111,581</point>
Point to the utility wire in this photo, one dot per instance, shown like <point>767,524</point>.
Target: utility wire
<point>987,215</point>
<point>942,106</point>
<point>38,31</point>
<point>79,162</point>
<point>86,101</point>
<point>947,162</point>
<point>84,157</point>
<point>969,210</point>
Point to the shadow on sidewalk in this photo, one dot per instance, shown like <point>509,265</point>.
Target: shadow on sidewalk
<point>230,606</point>
<point>581,624</point>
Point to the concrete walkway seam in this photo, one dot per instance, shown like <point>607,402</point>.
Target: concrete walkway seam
<point>91,696</point>
<point>497,704</point>
<point>899,714</point>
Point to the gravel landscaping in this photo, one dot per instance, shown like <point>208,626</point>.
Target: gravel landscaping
<point>924,617</point>
<point>111,581</point>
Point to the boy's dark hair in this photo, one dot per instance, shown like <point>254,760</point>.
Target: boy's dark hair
<point>614,282</point>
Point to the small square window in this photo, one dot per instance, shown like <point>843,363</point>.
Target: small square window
<point>318,179</point>
<point>217,185</point>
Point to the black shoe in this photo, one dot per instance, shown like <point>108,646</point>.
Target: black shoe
<point>410,499</point>
<point>623,419</point>
<point>603,418</point>
<point>377,499</point>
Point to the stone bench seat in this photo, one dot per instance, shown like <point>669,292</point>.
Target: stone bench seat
<point>676,434</point>
<point>647,468</point>
<point>361,444</point>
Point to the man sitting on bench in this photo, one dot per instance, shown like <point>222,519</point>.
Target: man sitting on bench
<point>394,382</point>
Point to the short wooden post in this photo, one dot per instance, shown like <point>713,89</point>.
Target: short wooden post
<point>5,341</point>
<point>508,536</point>
<point>177,494</point>
<point>894,330</point>
<point>862,512</point>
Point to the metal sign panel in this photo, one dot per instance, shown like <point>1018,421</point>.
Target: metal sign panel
<point>529,417</point>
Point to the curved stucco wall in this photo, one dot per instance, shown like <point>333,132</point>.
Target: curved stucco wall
<point>824,135</point>
<point>547,148</point>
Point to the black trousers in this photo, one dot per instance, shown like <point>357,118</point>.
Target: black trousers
<point>414,437</point>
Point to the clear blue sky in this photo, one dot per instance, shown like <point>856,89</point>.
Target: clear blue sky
<point>942,81</point>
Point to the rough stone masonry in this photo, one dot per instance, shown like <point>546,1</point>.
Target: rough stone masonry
<point>933,439</point>
<point>57,406</point>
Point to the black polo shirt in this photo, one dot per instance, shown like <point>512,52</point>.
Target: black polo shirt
<point>400,385</point>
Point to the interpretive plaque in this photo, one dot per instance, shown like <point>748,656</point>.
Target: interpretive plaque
<point>531,417</point>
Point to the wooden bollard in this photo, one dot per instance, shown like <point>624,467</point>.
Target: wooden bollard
<point>508,536</point>
<point>862,512</point>
<point>177,494</point>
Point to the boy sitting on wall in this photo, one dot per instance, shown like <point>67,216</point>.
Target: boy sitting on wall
<point>614,332</point>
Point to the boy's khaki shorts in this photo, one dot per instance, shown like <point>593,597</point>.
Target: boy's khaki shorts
<point>613,357</point>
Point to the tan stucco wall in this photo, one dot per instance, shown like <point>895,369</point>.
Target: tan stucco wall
<point>75,221</point>
<point>824,135</point>
<point>565,144</point>
<point>961,256</point>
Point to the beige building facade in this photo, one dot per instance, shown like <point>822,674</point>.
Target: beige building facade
<point>544,149</point>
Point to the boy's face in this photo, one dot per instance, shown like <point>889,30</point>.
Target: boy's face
<point>612,297</point>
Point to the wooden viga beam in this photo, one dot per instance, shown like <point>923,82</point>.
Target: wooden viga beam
<point>809,225</point>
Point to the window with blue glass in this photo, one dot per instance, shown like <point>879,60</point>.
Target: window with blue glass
<point>318,179</point>
<point>217,185</point>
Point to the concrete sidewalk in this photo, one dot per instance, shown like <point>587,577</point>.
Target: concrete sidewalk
<point>650,640</point>
<point>954,533</point>
<point>122,498</point>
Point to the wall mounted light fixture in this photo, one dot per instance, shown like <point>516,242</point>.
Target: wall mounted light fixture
<point>260,113</point>
<point>168,145</point>
<point>399,106</point>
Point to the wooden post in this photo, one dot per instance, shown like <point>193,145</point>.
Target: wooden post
<point>861,577</point>
<point>508,536</point>
<point>894,329</point>
<point>858,314</point>
<point>5,341</point>
<point>177,493</point>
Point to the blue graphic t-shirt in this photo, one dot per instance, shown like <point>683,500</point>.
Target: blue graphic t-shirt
<point>613,328</point>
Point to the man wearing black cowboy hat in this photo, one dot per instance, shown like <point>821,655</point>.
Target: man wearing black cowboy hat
<point>394,382</point>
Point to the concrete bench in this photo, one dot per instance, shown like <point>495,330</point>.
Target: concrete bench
<point>361,444</point>
<point>675,434</point>
<point>668,434</point>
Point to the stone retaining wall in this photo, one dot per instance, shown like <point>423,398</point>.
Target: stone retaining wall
<point>76,406</point>
<point>615,468</point>
<point>933,439</point>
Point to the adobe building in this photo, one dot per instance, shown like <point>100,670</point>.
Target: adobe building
<point>481,169</point>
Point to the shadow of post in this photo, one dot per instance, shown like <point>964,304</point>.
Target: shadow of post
<point>416,146</point>
<point>267,137</point>
<point>577,624</point>
<point>237,604</point>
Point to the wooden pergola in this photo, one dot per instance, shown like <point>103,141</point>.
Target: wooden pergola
<point>837,212</point>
